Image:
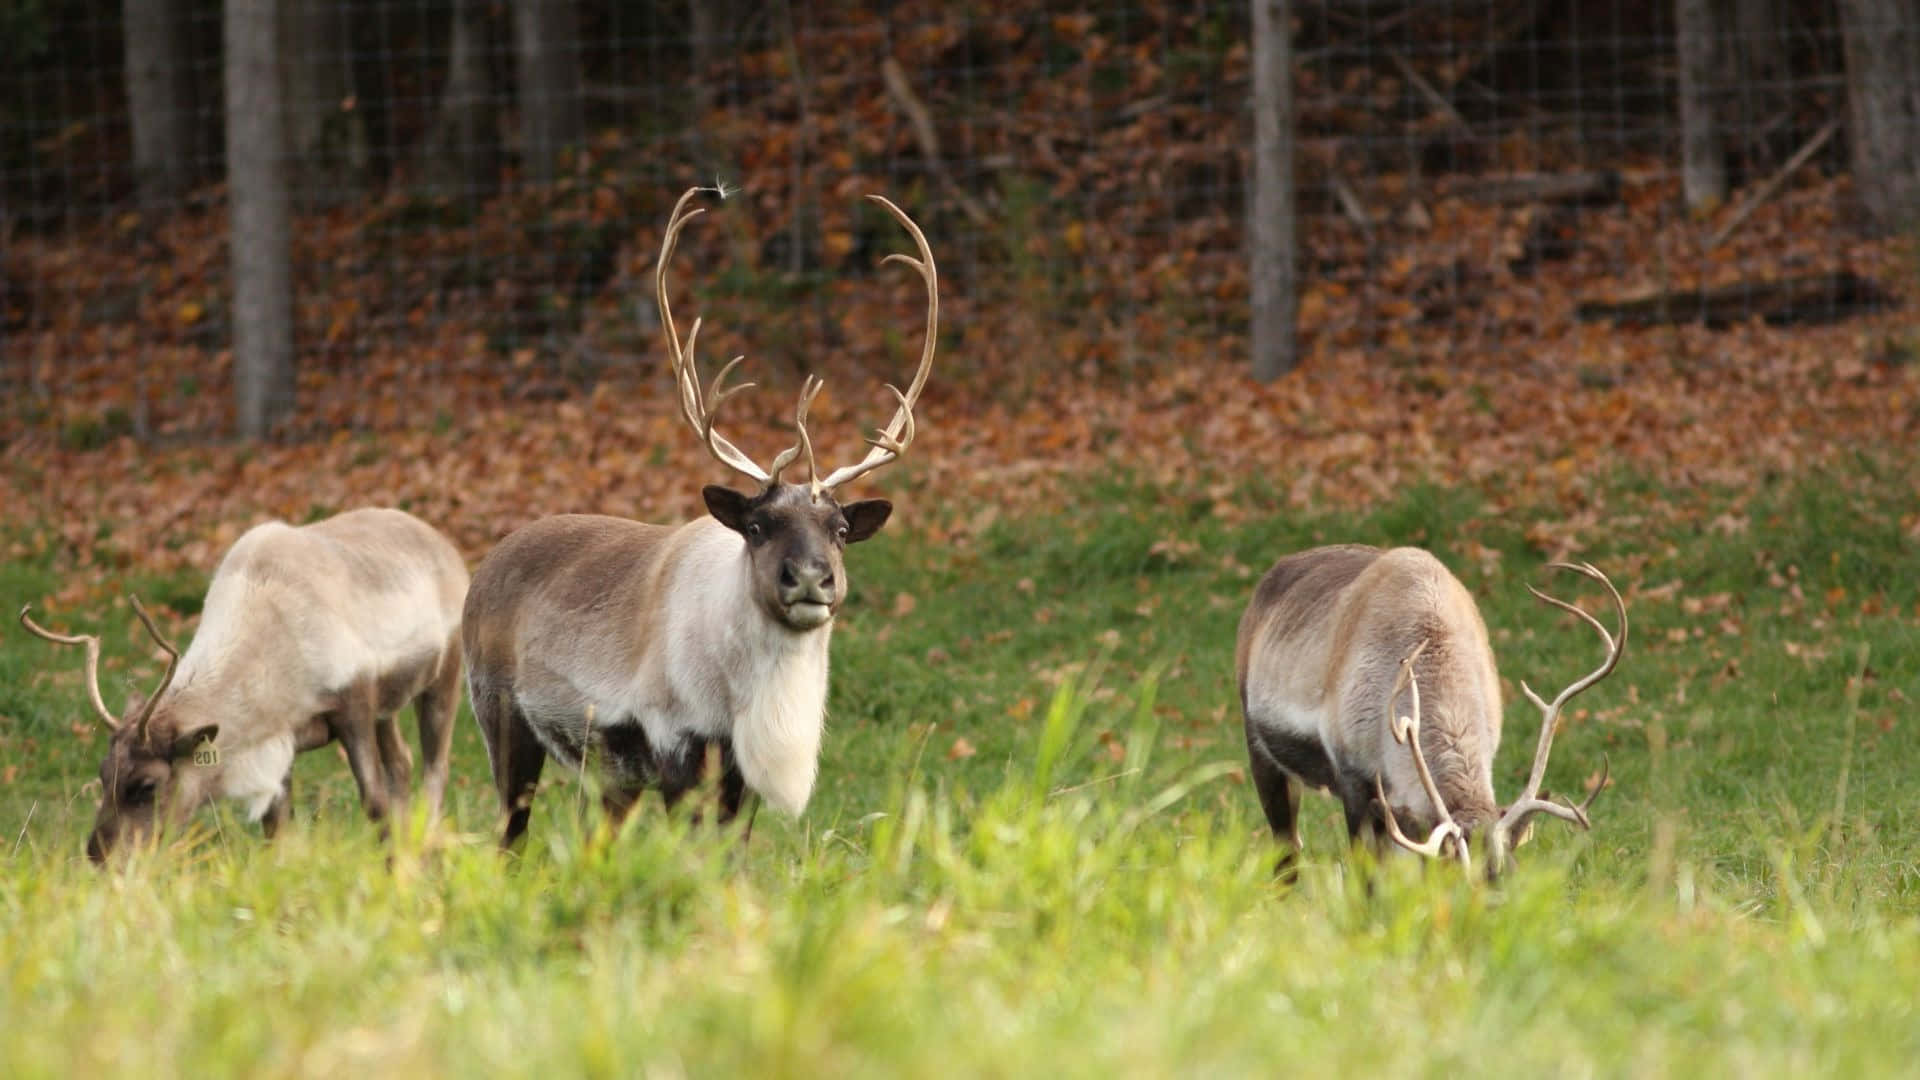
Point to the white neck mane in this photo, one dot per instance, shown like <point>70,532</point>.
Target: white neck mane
<point>736,672</point>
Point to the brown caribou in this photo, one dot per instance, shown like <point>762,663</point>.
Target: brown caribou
<point>1335,640</point>
<point>646,648</point>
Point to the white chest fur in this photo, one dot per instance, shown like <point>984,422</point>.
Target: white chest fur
<point>252,775</point>
<point>715,666</point>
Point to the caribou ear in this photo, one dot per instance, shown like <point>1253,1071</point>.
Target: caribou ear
<point>865,517</point>
<point>187,741</point>
<point>727,506</point>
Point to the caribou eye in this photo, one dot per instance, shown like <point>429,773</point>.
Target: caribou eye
<point>138,793</point>
<point>840,534</point>
<point>755,532</point>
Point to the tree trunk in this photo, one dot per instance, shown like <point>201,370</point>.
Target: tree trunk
<point>1703,159</point>
<point>1757,75</point>
<point>1883,97</point>
<point>1270,225</point>
<point>260,239</point>
<point>326,132</point>
<point>547,65</point>
<point>462,153</point>
<point>159,100</point>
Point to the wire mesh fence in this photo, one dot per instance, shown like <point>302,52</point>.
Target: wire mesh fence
<point>478,187</point>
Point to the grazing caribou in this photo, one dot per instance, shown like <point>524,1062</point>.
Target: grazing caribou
<point>647,648</point>
<point>1331,641</point>
<point>308,635</point>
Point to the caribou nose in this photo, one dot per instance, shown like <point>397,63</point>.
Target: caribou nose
<point>806,581</point>
<point>96,850</point>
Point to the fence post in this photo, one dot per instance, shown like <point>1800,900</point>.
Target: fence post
<point>1273,282</point>
<point>260,242</point>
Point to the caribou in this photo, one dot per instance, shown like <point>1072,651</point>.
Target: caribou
<point>649,649</point>
<point>308,634</point>
<point>1333,642</point>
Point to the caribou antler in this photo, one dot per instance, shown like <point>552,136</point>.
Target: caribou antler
<point>93,664</point>
<point>891,441</point>
<point>699,408</point>
<point>166,680</point>
<point>1447,838</point>
<point>93,661</point>
<point>809,390</point>
<point>1530,801</point>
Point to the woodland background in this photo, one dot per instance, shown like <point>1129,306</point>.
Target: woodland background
<point>1527,240</point>
<point>1618,281</point>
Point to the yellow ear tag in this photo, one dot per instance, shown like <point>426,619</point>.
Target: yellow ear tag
<point>205,753</point>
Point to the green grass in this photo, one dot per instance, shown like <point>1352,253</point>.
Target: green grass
<point>1087,891</point>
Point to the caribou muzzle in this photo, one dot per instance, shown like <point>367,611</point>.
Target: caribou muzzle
<point>808,591</point>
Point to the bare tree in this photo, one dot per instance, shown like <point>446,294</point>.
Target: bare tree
<point>326,132</point>
<point>159,99</point>
<point>547,68</point>
<point>260,243</point>
<point>1703,158</point>
<point>1270,225</point>
<point>1883,95</point>
<point>462,152</point>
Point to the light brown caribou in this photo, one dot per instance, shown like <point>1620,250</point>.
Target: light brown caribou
<point>646,648</point>
<point>308,634</point>
<point>1333,642</point>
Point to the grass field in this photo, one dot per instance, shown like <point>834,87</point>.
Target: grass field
<point>1033,850</point>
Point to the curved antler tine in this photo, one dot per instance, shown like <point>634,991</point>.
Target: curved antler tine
<point>716,395</point>
<point>1606,770</point>
<point>690,401</point>
<point>885,440</point>
<point>1436,844</point>
<point>807,394</point>
<point>1530,801</point>
<point>92,663</point>
<point>697,408</point>
<point>1406,729</point>
<point>903,257</point>
<point>1404,680</point>
<point>166,680</point>
<point>809,389</point>
<point>712,414</point>
<point>1582,614</point>
<point>1589,570</point>
<point>893,439</point>
<point>781,460</point>
<point>669,241</point>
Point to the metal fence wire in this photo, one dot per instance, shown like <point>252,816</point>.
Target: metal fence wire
<point>479,186</point>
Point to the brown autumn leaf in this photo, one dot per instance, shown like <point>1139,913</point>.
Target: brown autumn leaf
<point>960,749</point>
<point>1700,605</point>
<point>1492,381</point>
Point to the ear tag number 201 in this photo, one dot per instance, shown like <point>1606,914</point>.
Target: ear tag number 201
<point>205,753</point>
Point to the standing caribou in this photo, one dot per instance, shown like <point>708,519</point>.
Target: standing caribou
<point>647,647</point>
<point>308,634</point>
<point>1331,641</point>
